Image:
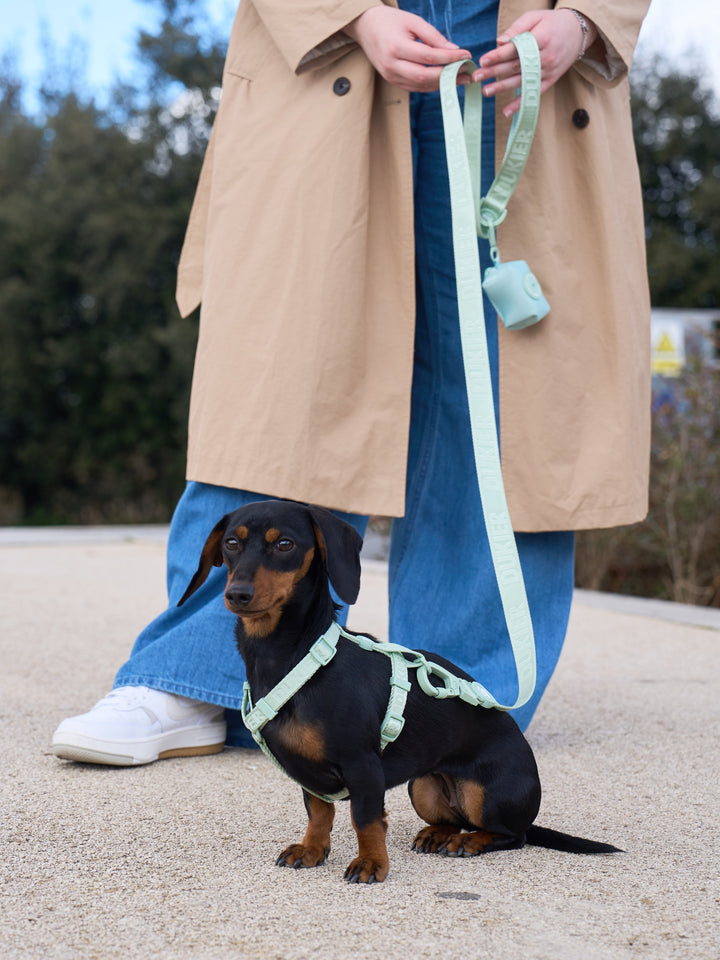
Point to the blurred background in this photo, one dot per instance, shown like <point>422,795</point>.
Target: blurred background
<point>105,111</point>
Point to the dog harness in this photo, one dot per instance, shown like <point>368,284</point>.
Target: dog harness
<point>402,660</point>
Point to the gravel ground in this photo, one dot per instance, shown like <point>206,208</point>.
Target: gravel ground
<point>176,859</point>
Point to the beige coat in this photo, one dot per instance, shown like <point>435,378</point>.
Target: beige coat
<point>300,247</point>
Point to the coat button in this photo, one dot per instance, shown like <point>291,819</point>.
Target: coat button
<point>341,86</point>
<point>581,118</point>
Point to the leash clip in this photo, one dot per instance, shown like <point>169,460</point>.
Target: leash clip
<point>450,683</point>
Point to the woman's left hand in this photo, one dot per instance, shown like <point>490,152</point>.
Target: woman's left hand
<point>560,39</point>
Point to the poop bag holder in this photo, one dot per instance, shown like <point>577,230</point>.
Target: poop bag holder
<point>512,287</point>
<point>514,291</point>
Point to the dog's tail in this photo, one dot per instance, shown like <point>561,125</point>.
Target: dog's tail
<point>555,840</point>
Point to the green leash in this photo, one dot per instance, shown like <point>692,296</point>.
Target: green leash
<point>472,216</point>
<point>491,210</point>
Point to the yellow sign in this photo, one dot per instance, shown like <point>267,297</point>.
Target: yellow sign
<point>668,347</point>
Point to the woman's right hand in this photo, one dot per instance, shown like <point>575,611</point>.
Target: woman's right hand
<point>404,49</point>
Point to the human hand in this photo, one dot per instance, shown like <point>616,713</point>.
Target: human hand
<point>559,37</point>
<point>390,38</point>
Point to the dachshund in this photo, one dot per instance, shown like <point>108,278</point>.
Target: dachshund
<point>471,773</point>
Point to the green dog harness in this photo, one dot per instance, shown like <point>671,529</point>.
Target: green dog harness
<point>402,660</point>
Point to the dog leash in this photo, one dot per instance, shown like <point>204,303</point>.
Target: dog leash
<point>473,216</point>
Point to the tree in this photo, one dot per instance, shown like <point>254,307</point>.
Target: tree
<point>96,363</point>
<point>677,135</point>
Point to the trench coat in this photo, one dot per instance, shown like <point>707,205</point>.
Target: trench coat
<point>300,250</point>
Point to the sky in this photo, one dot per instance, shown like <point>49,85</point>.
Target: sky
<point>102,31</point>
<point>687,31</point>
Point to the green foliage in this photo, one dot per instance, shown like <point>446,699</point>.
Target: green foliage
<point>677,135</point>
<point>675,553</point>
<point>184,51</point>
<point>95,364</point>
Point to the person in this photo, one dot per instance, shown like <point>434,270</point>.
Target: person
<point>328,366</point>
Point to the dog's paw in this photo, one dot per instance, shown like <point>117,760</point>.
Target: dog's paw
<point>463,845</point>
<point>366,871</point>
<point>450,842</point>
<point>433,839</point>
<point>297,855</point>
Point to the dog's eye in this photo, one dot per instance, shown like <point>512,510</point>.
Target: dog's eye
<point>232,544</point>
<point>283,545</point>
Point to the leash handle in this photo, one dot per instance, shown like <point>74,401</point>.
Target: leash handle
<point>493,207</point>
<point>474,216</point>
<point>491,210</point>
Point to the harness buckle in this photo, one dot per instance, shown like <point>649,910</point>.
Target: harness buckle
<point>402,683</point>
<point>392,727</point>
<point>323,650</point>
<point>256,718</point>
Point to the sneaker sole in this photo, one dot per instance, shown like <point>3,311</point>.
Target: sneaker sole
<point>65,751</point>
<point>83,749</point>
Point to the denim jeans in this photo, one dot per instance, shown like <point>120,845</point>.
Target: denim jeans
<point>442,590</point>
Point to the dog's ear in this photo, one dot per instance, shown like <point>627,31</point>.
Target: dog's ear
<point>211,556</point>
<point>340,548</point>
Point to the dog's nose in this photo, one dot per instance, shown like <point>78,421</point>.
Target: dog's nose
<point>240,594</point>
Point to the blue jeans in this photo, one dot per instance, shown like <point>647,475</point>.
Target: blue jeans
<point>442,590</point>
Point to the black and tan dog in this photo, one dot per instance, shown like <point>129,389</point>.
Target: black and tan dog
<point>472,775</point>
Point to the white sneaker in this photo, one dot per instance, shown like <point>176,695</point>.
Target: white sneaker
<point>134,725</point>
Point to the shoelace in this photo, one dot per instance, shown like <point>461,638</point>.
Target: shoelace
<point>128,699</point>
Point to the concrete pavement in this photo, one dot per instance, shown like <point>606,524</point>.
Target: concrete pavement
<point>176,859</point>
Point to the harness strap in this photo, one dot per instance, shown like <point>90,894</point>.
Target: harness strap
<point>268,707</point>
<point>400,686</point>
